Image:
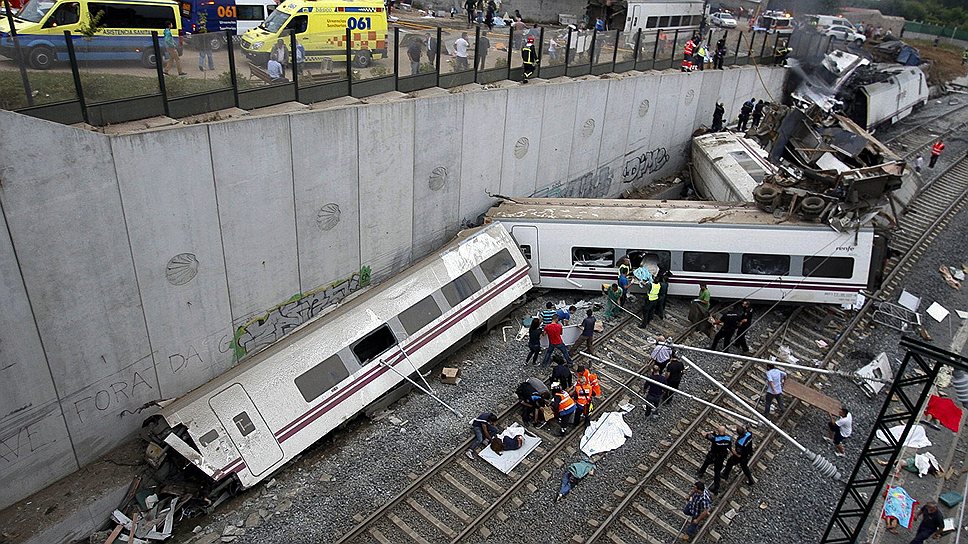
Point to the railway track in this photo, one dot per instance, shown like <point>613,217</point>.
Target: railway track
<point>918,138</point>
<point>650,510</point>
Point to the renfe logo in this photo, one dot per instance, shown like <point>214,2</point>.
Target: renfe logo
<point>847,249</point>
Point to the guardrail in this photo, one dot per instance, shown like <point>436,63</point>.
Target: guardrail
<point>64,78</point>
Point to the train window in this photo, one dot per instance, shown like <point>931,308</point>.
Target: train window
<point>749,164</point>
<point>664,22</point>
<point>766,265</point>
<point>702,261</point>
<point>526,251</point>
<point>419,315</point>
<point>828,267</point>
<point>208,438</point>
<point>593,256</point>
<point>674,20</point>
<point>460,289</point>
<point>244,423</point>
<point>696,20</point>
<point>652,22</point>
<point>662,259</point>
<point>372,345</point>
<point>321,378</point>
<point>496,265</point>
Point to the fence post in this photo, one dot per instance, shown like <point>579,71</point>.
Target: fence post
<point>739,41</point>
<point>537,73</point>
<point>655,48</point>
<point>675,44</point>
<point>776,45</point>
<point>477,49</point>
<point>763,47</point>
<point>349,65</point>
<point>510,50</point>
<point>396,59</point>
<point>567,49</point>
<point>28,92</point>
<point>591,51</point>
<point>618,36</point>
<point>233,76</point>
<point>160,70</point>
<point>638,43</point>
<point>440,36</point>
<point>77,75</point>
<point>295,65</point>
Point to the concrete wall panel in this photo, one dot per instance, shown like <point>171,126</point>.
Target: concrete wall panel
<point>182,272</point>
<point>588,132</point>
<point>522,137</point>
<point>35,447</point>
<point>708,95</point>
<point>436,171</point>
<point>727,93</point>
<point>482,152</point>
<point>557,134</point>
<point>386,203</point>
<point>66,221</point>
<point>615,130</point>
<point>326,180</point>
<point>253,180</point>
<point>748,84</point>
<point>643,111</point>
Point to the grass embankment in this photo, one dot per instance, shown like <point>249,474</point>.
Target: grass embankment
<point>945,60</point>
<point>49,87</point>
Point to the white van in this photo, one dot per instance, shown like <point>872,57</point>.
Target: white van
<point>251,13</point>
<point>823,22</point>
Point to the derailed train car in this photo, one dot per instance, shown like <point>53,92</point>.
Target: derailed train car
<point>256,417</point>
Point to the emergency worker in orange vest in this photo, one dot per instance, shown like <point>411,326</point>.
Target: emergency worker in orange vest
<point>583,396</point>
<point>565,408</point>
<point>936,150</point>
<point>687,56</point>
<point>592,379</point>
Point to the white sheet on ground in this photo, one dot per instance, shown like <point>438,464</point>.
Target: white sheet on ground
<point>507,460</point>
<point>924,462</point>
<point>609,432</point>
<point>917,438</point>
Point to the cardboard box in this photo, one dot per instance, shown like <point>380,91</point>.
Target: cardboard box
<point>450,376</point>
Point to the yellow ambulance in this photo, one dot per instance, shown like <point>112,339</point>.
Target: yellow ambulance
<point>320,26</point>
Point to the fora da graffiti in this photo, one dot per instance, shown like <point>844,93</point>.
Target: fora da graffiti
<point>593,184</point>
<point>283,319</point>
<point>638,165</point>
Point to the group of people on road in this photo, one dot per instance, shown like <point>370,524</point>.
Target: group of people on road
<point>696,54</point>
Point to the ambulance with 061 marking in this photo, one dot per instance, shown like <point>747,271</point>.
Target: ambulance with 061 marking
<point>321,27</point>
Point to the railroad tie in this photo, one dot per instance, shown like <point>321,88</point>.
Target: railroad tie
<point>639,532</point>
<point>614,538</point>
<point>417,507</point>
<point>483,479</point>
<point>465,490</point>
<point>407,529</point>
<point>378,536</point>
<point>650,515</point>
<point>446,503</point>
<point>673,487</point>
<point>665,504</point>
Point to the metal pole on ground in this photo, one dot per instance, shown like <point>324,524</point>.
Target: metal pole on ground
<point>818,461</point>
<point>672,389</point>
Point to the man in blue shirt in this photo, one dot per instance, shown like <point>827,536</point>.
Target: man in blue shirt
<point>740,455</point>
<point>564,316</point>
<point>697,508</point>
<point>721,443</point>
<point>548,313</point>
<point>484,429</point>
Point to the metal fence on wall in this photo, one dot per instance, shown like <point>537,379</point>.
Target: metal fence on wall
<point>219,75</point>
<point>936,30</point>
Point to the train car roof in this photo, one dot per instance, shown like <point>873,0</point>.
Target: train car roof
<point>645,211</point>
<point>352,303</point>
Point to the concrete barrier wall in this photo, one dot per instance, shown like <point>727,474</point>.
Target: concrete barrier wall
<point>137,267</point>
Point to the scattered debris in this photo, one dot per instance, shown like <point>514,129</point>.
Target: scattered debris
<point>949,278</point>
<point>938,312</point>
<point>450,375</point>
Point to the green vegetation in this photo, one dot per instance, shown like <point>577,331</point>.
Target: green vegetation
<point>949,13</point>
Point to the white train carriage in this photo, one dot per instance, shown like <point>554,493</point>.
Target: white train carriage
<point>652,16</point>
<point>739,251</point>
<point>253,419</point>
<point>891,100</point>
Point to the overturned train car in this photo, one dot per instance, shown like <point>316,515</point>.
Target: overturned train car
<point>256,417</point>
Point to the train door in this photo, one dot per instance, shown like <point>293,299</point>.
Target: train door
<point>248,430</point>
<point>527,239</point>
<point>634,21</point>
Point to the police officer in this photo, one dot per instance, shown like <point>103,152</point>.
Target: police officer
<point>649,304</point>
<point>721,444</point>
<point>730,321</point>
<point>740,454</point>
<point>529,56</point>
<point>746,309</point>
<point>718,115</point>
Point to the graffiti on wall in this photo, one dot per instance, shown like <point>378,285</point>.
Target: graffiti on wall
<point>283,319</point>
<point>593,184</point>
<point>638,165</point>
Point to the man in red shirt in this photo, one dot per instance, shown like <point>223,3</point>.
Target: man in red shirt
<point>553,332</point>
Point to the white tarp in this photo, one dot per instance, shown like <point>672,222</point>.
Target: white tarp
<point>917,438</point>
<point>609,432</point>
<point>924,462</point>
<point>507,460</point>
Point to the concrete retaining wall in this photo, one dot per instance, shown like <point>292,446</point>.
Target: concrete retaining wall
<point>137,267</point>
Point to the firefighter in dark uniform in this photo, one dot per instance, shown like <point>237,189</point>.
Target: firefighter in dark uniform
<point>721,445</point>
<point>530,58</point>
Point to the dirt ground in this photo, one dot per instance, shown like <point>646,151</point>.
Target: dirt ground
<point>945,61</point>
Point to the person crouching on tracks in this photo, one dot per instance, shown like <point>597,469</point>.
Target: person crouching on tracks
<point>740,455</point>
<point>721,443</point>
<point>564,406</point>
<point>697,508</point>
<point>840,428</point>
<point>484,429</point>
<point>561,375</point>
<point>592,379</point>
<point>534,395</point>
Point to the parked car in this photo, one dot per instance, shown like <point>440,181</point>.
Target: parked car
<point>845,33</point>
<point>723,19</point>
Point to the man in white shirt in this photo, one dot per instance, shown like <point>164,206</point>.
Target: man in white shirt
<point>774,388</point>
<point>460,51</point>
<point>840,428</point>
<point>274,68</point>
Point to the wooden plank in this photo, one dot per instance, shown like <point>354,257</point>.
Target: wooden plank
<point>431,518</point>
<point>811,396</point>
<point>454,509</point>
<point>114,535</point>
<point>407,529</point>
<point>465,490</point>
